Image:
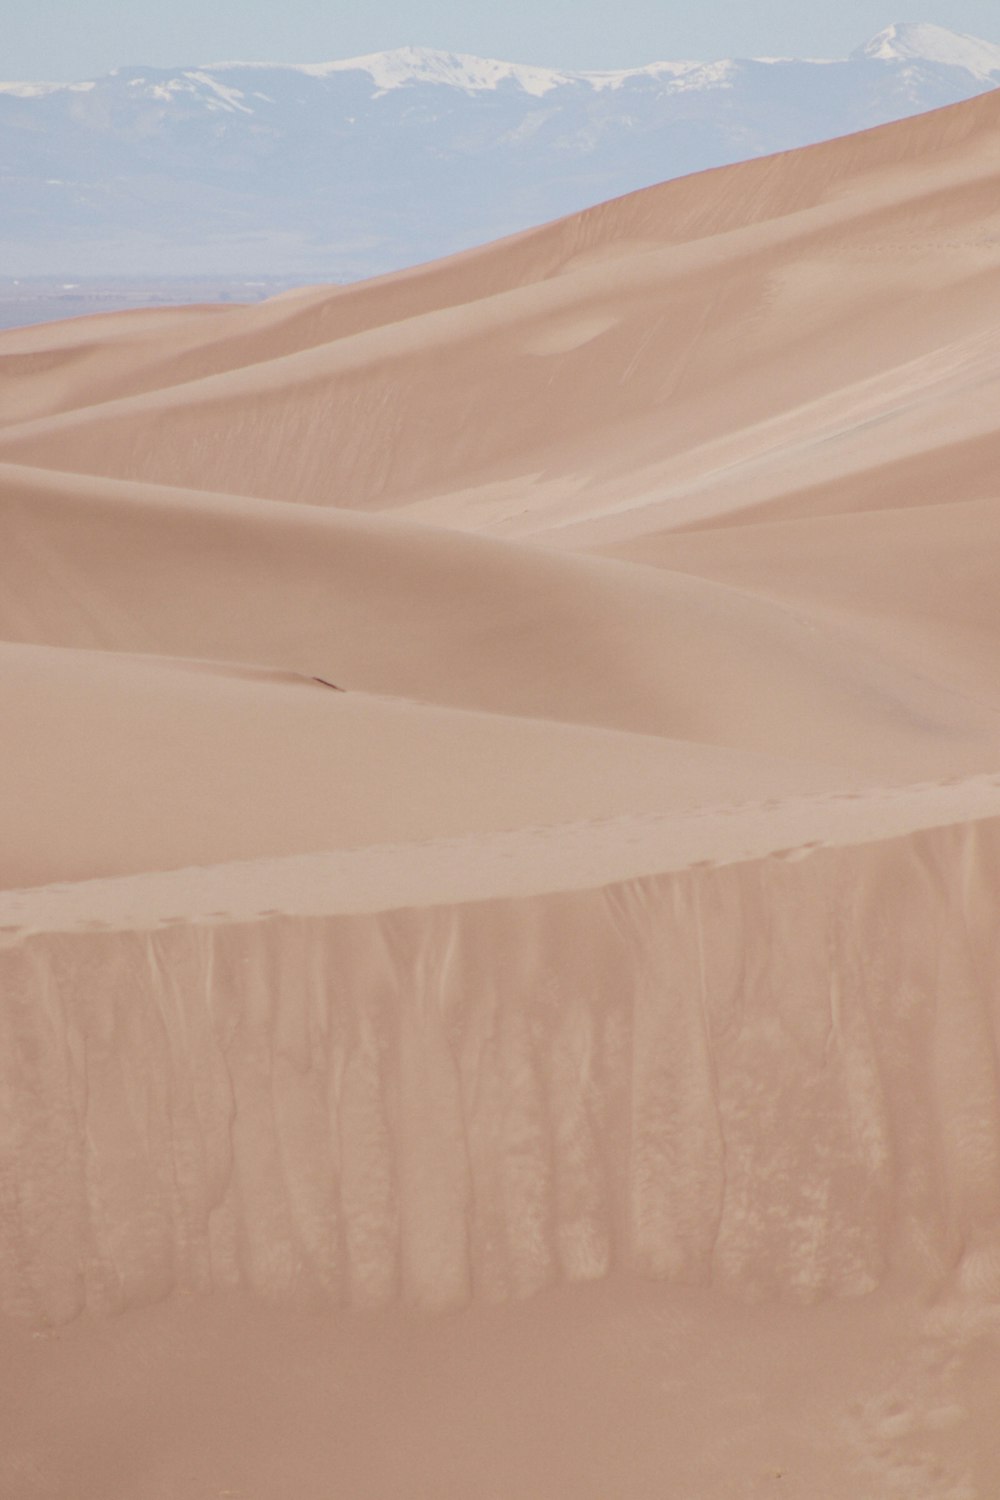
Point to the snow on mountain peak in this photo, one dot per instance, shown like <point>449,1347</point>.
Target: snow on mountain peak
<point>920,41</point>
<point>905,42</point>
<point>392,70</point>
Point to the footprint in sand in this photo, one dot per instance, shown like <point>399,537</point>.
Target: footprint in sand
<point>912,1439</point>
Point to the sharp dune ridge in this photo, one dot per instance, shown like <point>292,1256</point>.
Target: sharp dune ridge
<point>627,914</point>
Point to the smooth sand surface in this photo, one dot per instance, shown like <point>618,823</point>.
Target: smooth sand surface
<point>499,942</point>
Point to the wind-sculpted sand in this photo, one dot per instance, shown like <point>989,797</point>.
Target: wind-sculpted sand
<point>499,938</point>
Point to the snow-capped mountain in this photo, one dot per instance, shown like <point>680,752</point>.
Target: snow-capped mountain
<point>920,42</point>
<point>342,169</point>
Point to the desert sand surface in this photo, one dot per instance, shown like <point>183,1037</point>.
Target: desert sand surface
<point>500,875</point>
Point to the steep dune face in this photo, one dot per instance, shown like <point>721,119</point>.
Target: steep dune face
<point>502,780</point>
<point>778,1076</point>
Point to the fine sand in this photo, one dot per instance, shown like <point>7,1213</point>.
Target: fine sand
<point>499,927</point>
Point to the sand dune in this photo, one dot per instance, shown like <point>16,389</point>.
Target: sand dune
<point>381,605</point>
<point>501,792</point>
<point>150,762</point>
<point>656,1077</point>
<point>688,287</point>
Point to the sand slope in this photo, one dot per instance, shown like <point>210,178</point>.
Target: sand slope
<point>501,789</point>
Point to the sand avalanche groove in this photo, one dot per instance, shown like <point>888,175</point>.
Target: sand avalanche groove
<point>753,1074</point>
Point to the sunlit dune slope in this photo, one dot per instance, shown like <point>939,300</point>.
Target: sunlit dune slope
<point>123,763</point>
<point>386,606</point>
<point>650,344</point>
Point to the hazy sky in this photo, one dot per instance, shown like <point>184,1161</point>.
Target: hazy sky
<point>71,39</point>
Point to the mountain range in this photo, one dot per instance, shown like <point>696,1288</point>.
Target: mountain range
<point>345,169</point>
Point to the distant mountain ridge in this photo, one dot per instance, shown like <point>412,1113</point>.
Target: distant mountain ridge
<point>349,168</point>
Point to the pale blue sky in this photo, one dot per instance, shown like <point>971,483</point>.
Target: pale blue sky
<point>73,39</point>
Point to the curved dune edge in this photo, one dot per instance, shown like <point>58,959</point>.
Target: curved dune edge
<point>540,860</point>
<point>778,1076</point>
